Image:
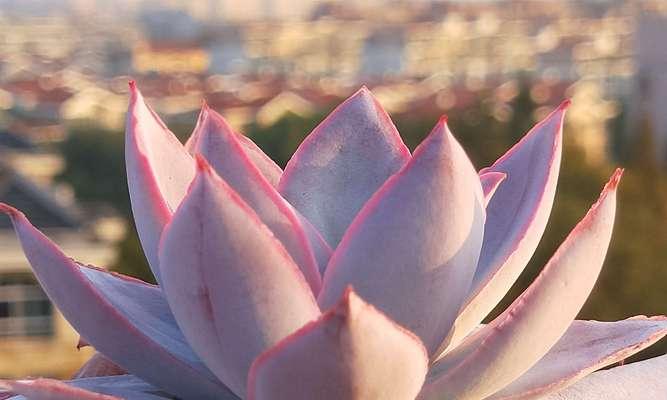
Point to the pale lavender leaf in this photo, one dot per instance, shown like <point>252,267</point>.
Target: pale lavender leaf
<point>232,286</point>
<point>517,339</point>
<point>127,320</point>
<point>352,352</point>
<point>516,218</point>
<point>126,387</point>
<point>215,140</point>
<point>412,249</point>
<point>342,163</point>
<point>159,171</point>
<point>644,380</point>
<point>50,389</point>
<point>269,169</point>
<point>586,347</point>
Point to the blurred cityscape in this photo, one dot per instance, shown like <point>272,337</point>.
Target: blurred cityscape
<point>65,64</point>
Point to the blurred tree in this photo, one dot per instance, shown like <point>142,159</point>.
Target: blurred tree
<point>95,168</point>
<point>130,259</point>
<point>281,139</point>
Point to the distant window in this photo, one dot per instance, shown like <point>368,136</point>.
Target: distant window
<point>24,308</point>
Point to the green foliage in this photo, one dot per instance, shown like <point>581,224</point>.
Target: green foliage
<point>281,139</point>
<point>95,168</point>
<point>130,259</point>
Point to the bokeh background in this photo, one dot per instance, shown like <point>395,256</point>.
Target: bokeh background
<point>274,69</point>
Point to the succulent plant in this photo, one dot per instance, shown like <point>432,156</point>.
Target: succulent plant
<point>360,272</point>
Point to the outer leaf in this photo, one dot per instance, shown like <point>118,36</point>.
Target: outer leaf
<point>490,182</point>
<point>586,346</point>
<point>117,385</point>
<point>232,286</point>
<point>411,250</point>
<point>106,388</point>
<point>99,365</point>
<point>126,319</point>
<point>215,140</point>
<point>516,218</point>
<point>269,169</point>
<point>645,380</point>
<point>342,163</point>
<point>49,389</point>
<point>159,171</point>
<point>343,355</point>
<point>525,332</point>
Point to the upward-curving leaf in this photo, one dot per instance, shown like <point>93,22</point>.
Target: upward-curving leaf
<point>215,140</point>
<point>585,347</point>
<point>412,249</point>
<point>342,163</point>
<point>125,319</point>
<point>269,169</point>
<point>233,288</point>
<point>517,215</point>
<point>159,171</point>
<point>516,340</point>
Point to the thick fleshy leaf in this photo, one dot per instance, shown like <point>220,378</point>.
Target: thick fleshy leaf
<point>490,182</point>
<point>512,343</point>
<point>159,170</point>
<point>516,218</point>
<point>118,385</point>
<point>99,365</point>
<point>125,319</point>
<point>215,140</point>
<point>645,380</point>
<point>232,286</point>
<point>586,347</point>
<point>49,389</point>
<point>269,169</point>
<point>412,249</point>
<point>105,388</point>
<point>352,352</point>
<point>342,163</point>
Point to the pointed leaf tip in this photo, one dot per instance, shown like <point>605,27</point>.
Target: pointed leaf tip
<point>344,308</point>
<point>10,211</point>
<point>615,179</point>
<point>609,187</point>
<point>344,160</point>
<point>565,105</point>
